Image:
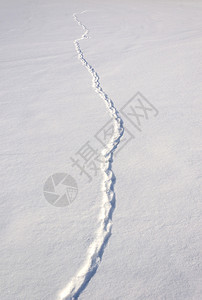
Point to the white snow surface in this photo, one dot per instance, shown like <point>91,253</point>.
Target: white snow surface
<point>148,246</point>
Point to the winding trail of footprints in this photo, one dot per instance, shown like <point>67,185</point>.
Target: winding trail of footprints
<point>95,251</point>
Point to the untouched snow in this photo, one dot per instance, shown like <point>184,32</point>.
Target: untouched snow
<point>49,110</point>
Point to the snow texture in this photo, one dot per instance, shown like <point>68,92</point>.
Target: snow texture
<point>68,70</point>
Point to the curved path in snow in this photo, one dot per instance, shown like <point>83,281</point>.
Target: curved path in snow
<point>95,251</point>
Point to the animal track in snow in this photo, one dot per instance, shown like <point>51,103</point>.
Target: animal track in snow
<point>95,251</point>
